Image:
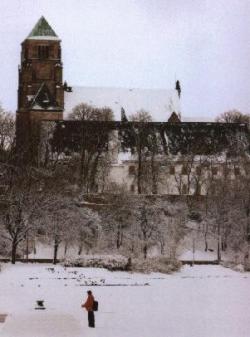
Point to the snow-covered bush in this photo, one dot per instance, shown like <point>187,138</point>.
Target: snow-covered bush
<point>109,262</point>
<point>156,264</point>
<point>116,262</point>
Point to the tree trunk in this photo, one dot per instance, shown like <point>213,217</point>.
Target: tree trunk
<point>162,248</point>
<point>80,248</point>
<point>193,250</point>
<point>206,243</point>
<point>145,251</point>
<point>154,174</point>
<point>27,247</point>
<point>81,169</point>
<point>93,173</point>
<point>206,223</point>
<point>82,160</point>
<point>13,252</point>
<point>139,173</point>
<point>248,229</point>
<point>119,238</point>
<point>56,245</point>
<point>65,248</point>
<point>219,249</point>
<point>34,247</point>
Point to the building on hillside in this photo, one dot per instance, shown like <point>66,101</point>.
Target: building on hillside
<point>150,158</point>
<point>154,157</point>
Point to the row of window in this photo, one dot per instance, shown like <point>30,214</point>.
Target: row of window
<point>214,170</point>
<point>184,189</point>
<point>43,52</point>
<point>185,170</point>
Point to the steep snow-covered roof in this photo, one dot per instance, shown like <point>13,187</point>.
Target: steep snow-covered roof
<point>159,102</point>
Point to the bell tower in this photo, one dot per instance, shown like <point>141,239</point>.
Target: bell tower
<point>40,91</point>
<point>40,86</point>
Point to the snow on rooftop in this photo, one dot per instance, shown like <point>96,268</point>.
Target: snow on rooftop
<point>159,102</point>
<point>196,118</point>
<point>47,38</point>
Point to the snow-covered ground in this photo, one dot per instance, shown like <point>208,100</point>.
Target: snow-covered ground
<point>200,301</point>
<point>44,251</point>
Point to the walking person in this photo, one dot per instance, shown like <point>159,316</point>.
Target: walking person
<point>88,305</point>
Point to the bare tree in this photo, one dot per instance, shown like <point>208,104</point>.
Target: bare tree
<point>94,141</point>
<point>147,227</point>
<point>86,112</point>
<point>23,200</point>
<point>7,135</point>
<point>233,116</point>
<point>144,141</point>
<point>87,230</point>
<point>171,227</point>
<point>116,218</point>
<point>60,217</point>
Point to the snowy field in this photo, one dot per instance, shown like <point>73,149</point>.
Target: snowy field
<point>200,301</point>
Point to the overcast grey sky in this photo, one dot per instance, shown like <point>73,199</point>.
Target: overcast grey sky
<point>143,44</point>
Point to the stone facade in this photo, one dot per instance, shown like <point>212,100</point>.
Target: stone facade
<point>40,90</point>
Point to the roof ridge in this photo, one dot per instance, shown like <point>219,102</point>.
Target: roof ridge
<point>123,88</point>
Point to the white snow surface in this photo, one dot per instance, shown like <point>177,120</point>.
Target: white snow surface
<point>200,301</point>
<point>159,102</point>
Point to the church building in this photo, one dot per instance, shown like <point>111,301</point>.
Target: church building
<point>181,150</point>
<point>42,95</point>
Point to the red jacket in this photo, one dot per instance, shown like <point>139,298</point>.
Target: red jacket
<point>88,305</point>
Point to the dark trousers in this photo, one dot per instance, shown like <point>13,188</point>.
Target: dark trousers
<point>91,319</point>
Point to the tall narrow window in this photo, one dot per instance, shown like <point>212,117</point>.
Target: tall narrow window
<point>171,170</point>
<point>214,170</point>
<point>43,52</point>
<point>198,189</point>
<point>184,170</point>
<point>226,171</point>
<point>59,53</point>
<point>198,170</point>
<point>26,53</point>
<point>236,171</point>
<point>184,189</point>
<point>131,170</point>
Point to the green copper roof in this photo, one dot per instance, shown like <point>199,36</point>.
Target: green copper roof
<point>42,30</point>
